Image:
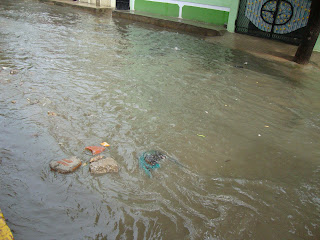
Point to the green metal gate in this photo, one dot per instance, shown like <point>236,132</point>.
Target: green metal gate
<point>283,20</point>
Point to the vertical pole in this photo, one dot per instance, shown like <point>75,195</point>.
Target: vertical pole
<point>309,40</point>
<point>180,9</point>
<point>233,15</point>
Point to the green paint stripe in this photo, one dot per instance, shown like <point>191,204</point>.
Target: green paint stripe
<point>205,15</point>
<point>165,9</point>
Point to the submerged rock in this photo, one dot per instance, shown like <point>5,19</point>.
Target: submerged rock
<point>96,158</point>
<point>104,165</point>
<point>66,165</point>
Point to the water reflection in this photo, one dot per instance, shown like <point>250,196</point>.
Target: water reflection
<point>255,174</point>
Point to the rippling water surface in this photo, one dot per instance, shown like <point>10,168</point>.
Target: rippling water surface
<point>255,174</point>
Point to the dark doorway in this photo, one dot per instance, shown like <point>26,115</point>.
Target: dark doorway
<point>123,4</point>
<point>283,20</point>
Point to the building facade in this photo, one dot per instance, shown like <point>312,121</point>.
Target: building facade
<point>290,15</point>
<point>101,3</point>
<point>219,12</point>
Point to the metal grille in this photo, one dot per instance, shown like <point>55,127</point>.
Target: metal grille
<point>123,4</point>
<point>283,20</point>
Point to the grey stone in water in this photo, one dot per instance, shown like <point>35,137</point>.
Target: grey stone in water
<point>66,165</point>
<point>104,165</point>
<point>96,158</point>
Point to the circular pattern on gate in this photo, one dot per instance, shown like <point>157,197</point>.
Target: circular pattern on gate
<point>284,14</point>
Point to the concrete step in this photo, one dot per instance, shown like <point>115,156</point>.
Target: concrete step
<point>79,4</point>
<point>188,26</point>
<point>172,23</point>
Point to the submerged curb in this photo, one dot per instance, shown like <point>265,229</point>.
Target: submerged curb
<point>173,23</point>
<point>84,6</point>
<point>5,232</point>
<point>166,23</point>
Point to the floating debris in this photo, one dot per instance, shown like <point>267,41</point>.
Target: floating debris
<point>150,160</point>
<point>35,135</point>
<point>200,135</point>
<point>95,149</point>
<point>105,144</point>
<point>237,66</point>
<point>13,72</point>
<point>52,113</point>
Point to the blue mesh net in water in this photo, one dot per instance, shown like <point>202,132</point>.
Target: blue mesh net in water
<point>146,166</point>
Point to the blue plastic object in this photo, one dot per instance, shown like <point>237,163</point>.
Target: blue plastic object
<point>148,166</point>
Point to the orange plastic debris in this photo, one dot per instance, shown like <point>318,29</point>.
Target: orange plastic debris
<point>105,144</point>
<point>95,149</point>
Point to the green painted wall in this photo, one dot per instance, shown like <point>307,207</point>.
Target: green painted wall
<point>205,15</point>
<point>194,13</point>
<point>164,9</point>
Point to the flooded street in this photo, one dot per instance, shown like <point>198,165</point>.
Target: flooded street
<point>246,129</point>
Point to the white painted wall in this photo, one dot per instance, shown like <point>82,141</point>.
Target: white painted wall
<point>103,3</point>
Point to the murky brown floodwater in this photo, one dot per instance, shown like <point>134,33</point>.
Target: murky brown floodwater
<point>255,175</point>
